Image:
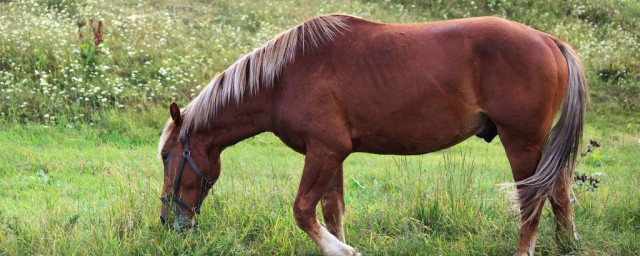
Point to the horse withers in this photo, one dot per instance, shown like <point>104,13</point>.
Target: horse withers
<point>338,84</point>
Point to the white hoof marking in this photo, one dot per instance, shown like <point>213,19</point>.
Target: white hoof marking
<point>331,246</point>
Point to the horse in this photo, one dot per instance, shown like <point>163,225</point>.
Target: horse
<point>338,84</point>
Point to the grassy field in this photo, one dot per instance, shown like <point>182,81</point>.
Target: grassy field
<point>83,192</point>
<point>80,119</point>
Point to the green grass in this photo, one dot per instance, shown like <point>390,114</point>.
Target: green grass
<point>78,132</point>
<point>77,191</point>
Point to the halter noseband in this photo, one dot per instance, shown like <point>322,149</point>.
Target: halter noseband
<point>186,158</point>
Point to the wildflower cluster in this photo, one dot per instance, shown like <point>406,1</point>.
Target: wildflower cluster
<point>66,63</point>
<point>591,182</point>
<point>583,181</point>
<point>591,147</point>
<point>65,60</point>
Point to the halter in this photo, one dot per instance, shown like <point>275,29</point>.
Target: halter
<point>186,158</point>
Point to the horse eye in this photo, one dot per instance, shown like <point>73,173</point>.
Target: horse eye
<point>165,157</point>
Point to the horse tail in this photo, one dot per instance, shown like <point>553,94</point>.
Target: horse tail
<point>562,144</point>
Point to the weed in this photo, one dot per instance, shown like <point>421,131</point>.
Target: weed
<point>584,182</point>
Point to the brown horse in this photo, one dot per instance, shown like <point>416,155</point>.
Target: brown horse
<point>339,84</point>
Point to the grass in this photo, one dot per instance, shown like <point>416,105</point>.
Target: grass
<point>91,193</point>
<point>78,173</point>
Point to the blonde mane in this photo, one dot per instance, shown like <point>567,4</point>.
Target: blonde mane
<point>260,67</point>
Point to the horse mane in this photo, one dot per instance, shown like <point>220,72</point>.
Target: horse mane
<point>260,67</point>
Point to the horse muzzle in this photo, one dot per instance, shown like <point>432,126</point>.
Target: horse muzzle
<point>172,217</point>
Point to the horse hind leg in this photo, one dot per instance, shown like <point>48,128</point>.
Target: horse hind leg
<point>524,150</point>
<point>320,168</point>
<point>333,206</point>
<point>566,234</point>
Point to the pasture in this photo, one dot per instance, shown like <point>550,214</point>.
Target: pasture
<point>80,121</point>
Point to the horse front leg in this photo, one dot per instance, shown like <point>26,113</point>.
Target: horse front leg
<point>321,165</point>
<point>333,206</point>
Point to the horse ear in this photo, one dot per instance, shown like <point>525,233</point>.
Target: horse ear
<point>174,110</point>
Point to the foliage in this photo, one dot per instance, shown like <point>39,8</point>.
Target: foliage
<point>152,52</point>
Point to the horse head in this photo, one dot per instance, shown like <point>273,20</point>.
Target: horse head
<point>191,167</point>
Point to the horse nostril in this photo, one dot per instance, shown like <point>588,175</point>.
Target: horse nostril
<point>162,219</point>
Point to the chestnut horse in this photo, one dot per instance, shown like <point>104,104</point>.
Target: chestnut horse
<point>338,84</point>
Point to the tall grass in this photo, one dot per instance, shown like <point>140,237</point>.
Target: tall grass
<point>87,194</point>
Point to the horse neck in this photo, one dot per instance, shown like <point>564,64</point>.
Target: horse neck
<point>238,121</point>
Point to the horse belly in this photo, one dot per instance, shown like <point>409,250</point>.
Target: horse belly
<point>417,132</point>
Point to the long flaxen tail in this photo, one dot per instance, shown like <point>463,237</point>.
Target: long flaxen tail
<point>563,142</point>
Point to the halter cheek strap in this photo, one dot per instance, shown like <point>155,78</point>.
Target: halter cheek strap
<point>186,158</point>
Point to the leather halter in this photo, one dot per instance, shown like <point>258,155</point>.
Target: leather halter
<point>186,158</point>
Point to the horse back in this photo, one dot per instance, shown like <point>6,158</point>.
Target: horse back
<point>417,88</point>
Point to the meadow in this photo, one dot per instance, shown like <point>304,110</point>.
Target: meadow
<point>82,106</point>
